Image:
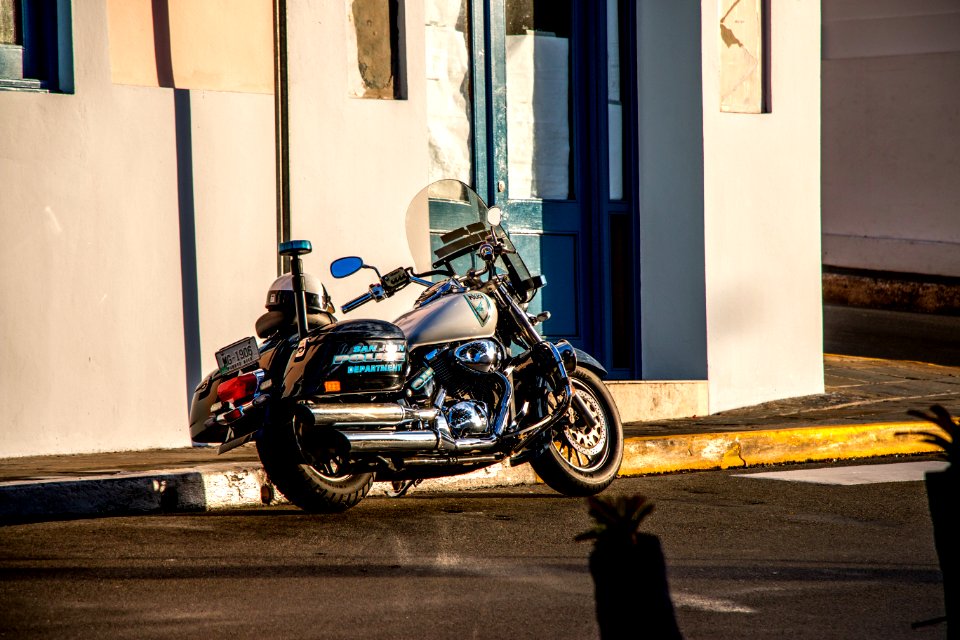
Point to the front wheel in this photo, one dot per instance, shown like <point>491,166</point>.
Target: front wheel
<point>326,489</point>
<point>582,460</point>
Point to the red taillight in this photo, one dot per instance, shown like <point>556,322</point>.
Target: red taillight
<point>239,388</point>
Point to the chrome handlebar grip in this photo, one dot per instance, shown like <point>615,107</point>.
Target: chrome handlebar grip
<point>356,302</point>
<point>376,293</point>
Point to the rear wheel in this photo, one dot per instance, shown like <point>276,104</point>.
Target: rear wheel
<point>582,460</point>
<point>326,488</point>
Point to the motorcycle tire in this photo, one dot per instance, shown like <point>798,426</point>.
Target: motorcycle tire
<point>308,487</point>
<point>581,460</point>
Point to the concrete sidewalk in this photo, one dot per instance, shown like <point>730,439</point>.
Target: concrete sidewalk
<point>862,414</point>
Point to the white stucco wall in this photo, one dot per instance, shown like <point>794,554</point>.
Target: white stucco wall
<point>673,314</point>
<point>355,163</point>
<point>762,220</point>
<point>891,165</point>
<point>90,325</point>
<point>92,330</point>
<point>236,224</point>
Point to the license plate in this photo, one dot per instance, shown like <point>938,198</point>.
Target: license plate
<point>238,355</point>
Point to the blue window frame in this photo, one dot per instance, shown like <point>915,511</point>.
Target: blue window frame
<point>36,45</point>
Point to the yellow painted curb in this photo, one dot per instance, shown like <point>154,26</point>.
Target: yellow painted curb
<point>690,452</point>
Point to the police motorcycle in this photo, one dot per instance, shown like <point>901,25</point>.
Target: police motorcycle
<point>460,382</point>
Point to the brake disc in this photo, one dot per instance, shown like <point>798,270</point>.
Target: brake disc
<point>581,436</point>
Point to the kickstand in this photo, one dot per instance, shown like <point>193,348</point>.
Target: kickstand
<point>400,487</point>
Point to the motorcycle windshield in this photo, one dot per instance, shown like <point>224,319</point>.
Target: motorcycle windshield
<point>451,204</point>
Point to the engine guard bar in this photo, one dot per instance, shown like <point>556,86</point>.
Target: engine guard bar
<point>529,434</point>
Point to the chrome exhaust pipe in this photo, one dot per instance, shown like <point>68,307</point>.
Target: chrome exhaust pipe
<point>346,417</point>
<point>386,414</point>
<point>422,441</point>
<point>387,441</point>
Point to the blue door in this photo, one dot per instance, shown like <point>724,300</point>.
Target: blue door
<point>536,83</point>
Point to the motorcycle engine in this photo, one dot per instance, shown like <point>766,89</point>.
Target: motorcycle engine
<point>467,418</point>
<point>464,370</point>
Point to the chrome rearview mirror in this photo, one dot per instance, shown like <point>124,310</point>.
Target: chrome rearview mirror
<point>494,216</point>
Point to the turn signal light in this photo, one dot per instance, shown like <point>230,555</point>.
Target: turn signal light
<point>238,388</point>
<point>331,386</point>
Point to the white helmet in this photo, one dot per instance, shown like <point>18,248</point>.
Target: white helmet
<point>282,308</point>
<point>280,296</point>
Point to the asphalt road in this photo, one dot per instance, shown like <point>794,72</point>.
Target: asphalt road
<point>747,558</point>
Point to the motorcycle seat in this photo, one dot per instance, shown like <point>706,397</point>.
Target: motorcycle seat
<point>273,320</point>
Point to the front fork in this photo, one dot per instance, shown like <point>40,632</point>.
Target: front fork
<point>553,361</point>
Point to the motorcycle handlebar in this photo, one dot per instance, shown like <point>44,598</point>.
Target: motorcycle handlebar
<point>379,292</point>
<point>435,272</point>
<point>356,302</point>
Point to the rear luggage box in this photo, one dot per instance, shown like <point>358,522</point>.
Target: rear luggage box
<point>353,356</point>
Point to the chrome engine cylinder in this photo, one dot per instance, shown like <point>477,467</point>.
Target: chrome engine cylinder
<point>465,369</point>
<point>481,356</point>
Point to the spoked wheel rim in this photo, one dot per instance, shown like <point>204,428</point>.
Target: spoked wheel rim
<point>576,443</point>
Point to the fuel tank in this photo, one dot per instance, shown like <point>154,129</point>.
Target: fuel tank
<point>451,318</point>
<point>352,356</point>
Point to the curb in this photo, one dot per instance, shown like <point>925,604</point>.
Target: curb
<point>207,488</point>
<point>893,291</point>
<point>188,489</point>
<point>226,486</point>
<point>704,451</point>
